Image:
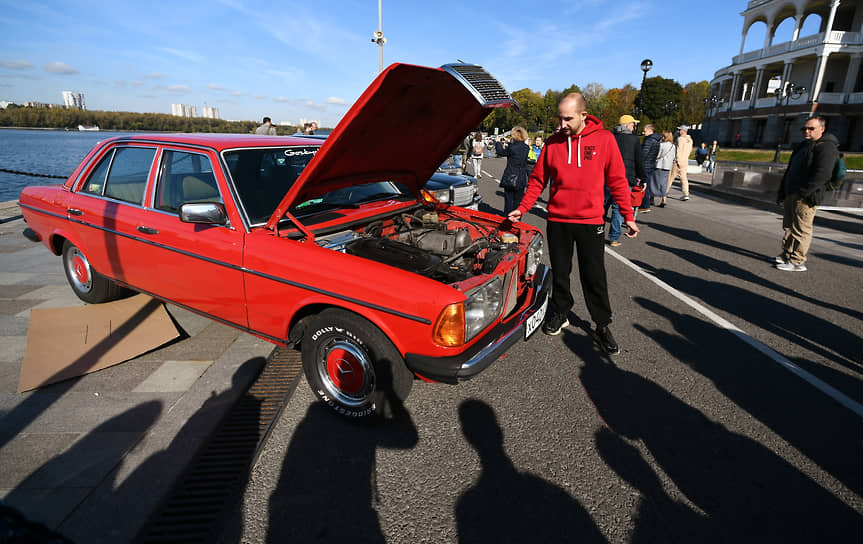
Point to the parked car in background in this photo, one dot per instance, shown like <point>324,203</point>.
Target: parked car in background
<point>328,245</point>
<point>456,189</point>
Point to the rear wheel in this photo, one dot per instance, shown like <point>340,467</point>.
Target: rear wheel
<point>89,285</point>
<point>353,367</point>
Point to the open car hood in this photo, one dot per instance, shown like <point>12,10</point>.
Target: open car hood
<point>400,129</point>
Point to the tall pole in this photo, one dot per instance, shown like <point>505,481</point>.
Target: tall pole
<point>378,38</point>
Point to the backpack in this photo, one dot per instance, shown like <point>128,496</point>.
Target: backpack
<point>839,171</point>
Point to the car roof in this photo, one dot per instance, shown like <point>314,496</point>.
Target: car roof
<point>219,142</point>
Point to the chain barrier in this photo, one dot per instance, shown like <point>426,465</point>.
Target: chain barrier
<point>31,174</point>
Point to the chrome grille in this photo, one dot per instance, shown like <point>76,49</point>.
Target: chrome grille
<point>485,88</point>
<point>463,196</point>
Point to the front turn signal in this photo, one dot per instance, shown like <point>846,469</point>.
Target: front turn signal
<point>449,328</point>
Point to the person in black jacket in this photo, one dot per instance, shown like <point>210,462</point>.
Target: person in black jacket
<point>514,178</point>
<point>650,150</point>
<point>802,190</point>
<point>633,162</point>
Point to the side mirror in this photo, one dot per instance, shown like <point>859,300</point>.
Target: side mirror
<point>208,213</point>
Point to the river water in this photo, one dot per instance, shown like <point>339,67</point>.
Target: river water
<point>54,152</point>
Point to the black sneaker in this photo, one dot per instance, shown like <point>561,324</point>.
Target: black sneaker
<point>606,341</point>
<point>554,324</point>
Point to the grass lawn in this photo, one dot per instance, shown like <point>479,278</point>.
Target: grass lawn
<point>854,161</point>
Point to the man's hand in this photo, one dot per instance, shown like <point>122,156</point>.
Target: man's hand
<point>515,216</point>
<point>633,229</point>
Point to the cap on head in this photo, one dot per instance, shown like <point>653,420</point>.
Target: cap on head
<point>626,119</point>
<point>683,127</point>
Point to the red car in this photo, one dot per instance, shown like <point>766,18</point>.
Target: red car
<point>332,245</point>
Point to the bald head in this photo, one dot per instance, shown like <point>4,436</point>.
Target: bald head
<point>571,114</point>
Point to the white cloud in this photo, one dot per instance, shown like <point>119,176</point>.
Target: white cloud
<point>215,87</point>
<point>336,100</point>
<point>178,88</point>
<point>154,75</point>
<point>17,64</point>
<point>185,55</point>
<point>60,68</point>
<point>237,93</point>
<point>281,99</point>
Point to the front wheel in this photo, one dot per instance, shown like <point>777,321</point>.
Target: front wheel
<point>353,367</point>
<point>89,285</point>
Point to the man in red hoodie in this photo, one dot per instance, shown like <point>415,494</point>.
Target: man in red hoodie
<point>580,159</point>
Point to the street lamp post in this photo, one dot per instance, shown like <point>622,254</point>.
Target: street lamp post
<point>646,65</point>
<point>668,108</point>
<point>378,38</point>
<point>786,92</point>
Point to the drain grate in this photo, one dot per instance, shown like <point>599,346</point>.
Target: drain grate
<point>196,508</point>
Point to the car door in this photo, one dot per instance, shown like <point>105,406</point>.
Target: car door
<point>193,265</point>
<point>107,208</point>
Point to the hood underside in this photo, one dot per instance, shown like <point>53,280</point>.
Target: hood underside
<point>400,129</point>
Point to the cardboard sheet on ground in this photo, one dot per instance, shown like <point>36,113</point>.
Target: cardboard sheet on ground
<point>63,343</point>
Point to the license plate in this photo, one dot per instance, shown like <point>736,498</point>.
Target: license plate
<point>533,322</point>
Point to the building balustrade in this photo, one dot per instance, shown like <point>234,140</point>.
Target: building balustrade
<point>855,98</point>
<point>831,98</point>
<point>765,102</point>
<point>740,105</point>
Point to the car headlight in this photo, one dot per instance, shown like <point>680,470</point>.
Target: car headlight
<point>482,307</point>
<point>442,195</point>
<point>535,251</point>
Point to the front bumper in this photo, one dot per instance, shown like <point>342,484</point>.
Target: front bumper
<point>490,347</point>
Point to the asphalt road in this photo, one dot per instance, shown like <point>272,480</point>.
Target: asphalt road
<point>734,412</point>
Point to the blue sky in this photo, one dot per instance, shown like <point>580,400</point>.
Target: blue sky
<point>292,60</point>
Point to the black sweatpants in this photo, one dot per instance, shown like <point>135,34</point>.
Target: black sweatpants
<point>588,241</point>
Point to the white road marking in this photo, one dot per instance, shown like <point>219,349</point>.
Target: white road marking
<point>816,382</point>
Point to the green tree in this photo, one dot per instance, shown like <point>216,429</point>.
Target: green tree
<point>693,108</point>
<point>660,95</point>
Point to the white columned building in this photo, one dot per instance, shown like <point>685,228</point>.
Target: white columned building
<point>811,47</point>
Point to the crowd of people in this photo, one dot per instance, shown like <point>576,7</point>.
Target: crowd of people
<point>590,171</point>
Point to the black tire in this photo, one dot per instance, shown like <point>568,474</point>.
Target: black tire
<point>88,285</point>
<point>353,367</point>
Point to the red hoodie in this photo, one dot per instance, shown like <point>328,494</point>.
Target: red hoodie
<point>579,167</point>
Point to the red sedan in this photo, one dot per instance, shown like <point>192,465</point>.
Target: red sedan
<point>332,246</point>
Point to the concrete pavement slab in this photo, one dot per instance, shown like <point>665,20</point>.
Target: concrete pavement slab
<point>173,376</point>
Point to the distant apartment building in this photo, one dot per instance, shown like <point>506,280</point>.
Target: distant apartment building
<point>184,110</point>
<point>74,100</point>
<point>42,105</point>
<point>210,112</point>
<point>766,94</point>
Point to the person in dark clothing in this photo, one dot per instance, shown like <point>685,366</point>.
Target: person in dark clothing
<point>633,163</point>
<point>650,150</point>
<point>802,190</point>
<point>514,178</point>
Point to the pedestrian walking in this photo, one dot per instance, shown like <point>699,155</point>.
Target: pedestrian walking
<point>476,155</point>
<point>514,178</point>
<point>578,161</point>
<point>664,162</point>
<point>802,190</point>
<point>711,160</point>
<point>650,150</point>
<point>681,161</point>
<point>266,128</point>
<point>633,163</point>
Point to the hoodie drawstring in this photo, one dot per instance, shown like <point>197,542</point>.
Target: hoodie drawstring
<point>577,150</point>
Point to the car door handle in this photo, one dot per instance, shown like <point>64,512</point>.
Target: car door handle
<point>75,211</point>
<point>147,230</point>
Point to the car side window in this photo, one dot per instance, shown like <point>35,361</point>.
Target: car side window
<point>127,177</point>
<point>96,181</point>
<point>185,177</point>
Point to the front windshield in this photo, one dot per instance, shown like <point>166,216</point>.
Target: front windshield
<point>263,176</point>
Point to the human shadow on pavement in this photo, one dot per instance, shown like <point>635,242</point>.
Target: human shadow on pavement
<point>327,489</point>
<point>723,267</point>
<point>506,505</point>
<point>821,429</point>
<point>827,339</point>
<point>57,488</point>
<point>745,490</point>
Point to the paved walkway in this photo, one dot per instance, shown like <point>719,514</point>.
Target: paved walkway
<point>92,457</point>
<point>83,456</point>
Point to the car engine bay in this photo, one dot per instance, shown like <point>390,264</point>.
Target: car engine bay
<point>437,245</point>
